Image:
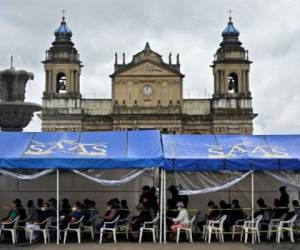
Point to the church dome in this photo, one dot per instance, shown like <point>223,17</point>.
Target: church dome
<point>63,30</point>
<point>230,30</point>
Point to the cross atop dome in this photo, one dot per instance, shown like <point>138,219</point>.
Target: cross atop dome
<point>63,31</point>
<point>230,30</point>
<point>230,12</point>
<point>63,14</point>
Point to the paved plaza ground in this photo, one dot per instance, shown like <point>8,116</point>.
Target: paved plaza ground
<point>151,246</point>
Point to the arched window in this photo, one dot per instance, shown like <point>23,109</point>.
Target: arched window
<point>61,83</point>
<point>233,83</point>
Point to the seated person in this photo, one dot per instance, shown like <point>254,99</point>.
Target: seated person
<point>144,215</point>
<point>12,214</point>
<point>53,205</point>
<point>200,219</point>
<point>296,208</point>
<point>296,211</point>
<point>35,224</point>
<point>153,201</point>
<point>32,211</point>
<point>124,211</point>
<point>74,216</point>
<point>40,203</point>
<point>90,212</point>
<point>277,210</point>
<point>225,209</point>
<point>237,212</point>
<point>214,213</point>
<point>65,207</point>
<point>182,219</point>
<point>110,215</point>
<point>265,211</point>
<point>21,210</point>
<point>172,212</point>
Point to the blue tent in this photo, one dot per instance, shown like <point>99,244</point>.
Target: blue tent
<point>231,152</point>
<point>80,150</point>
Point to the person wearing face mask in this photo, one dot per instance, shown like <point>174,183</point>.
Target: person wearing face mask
<point>182,219</point>
<point>74,216</point>
<point>112,212</point>
<point>35,224</point>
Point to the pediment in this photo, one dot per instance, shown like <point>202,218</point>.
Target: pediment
<point>148,68</point>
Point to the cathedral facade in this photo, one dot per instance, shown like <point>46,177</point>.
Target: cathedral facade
<point>147,93</point>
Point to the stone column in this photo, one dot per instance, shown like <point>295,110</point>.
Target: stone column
<point>71,81</point>
<point>215,84</point>
<point>247,81</point>
<point>243,82</point>
<point>47,81</point>
<point>223,82</point>
<point>51,83</point>
<point>218,81</point>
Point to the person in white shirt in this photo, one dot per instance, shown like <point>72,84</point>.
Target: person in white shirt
<point>182,220</point>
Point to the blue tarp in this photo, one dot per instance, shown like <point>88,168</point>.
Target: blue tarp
<point>143,149</point>
<point>231,152</point>
<point>78,150</point>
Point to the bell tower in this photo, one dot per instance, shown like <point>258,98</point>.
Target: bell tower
<point>62,82</point>
<point>231,66</point>
<point>232,101</point>
<point>62,65</point>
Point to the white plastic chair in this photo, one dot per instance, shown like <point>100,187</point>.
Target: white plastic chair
<point>123,224</point>
<point>238,225</point>
<point>272,225</point>
<point>252,226</point>
<point>109,227</point>
<point>286,226</point>
<point>44,228</point>
<point>23,227</point>
<point>204,230</point>
<point>91,227</point>
<point>188,230</point>
<point>13,230</point>
<point>150,226</point>
<point>74,227</point>
<point>217,227</point>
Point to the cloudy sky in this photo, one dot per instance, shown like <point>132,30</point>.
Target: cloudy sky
<point>270,30</point>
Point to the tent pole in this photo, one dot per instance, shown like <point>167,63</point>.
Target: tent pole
<point>160,205</point>
<point>165,207</point>
<point>57,207</point>
<point>252,203</point>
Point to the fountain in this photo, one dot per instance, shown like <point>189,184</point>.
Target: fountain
<point>15,113</point>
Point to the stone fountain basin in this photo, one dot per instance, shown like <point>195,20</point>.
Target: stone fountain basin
<point>14,116</point>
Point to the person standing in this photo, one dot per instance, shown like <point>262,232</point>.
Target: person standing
<point>284,199</point>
